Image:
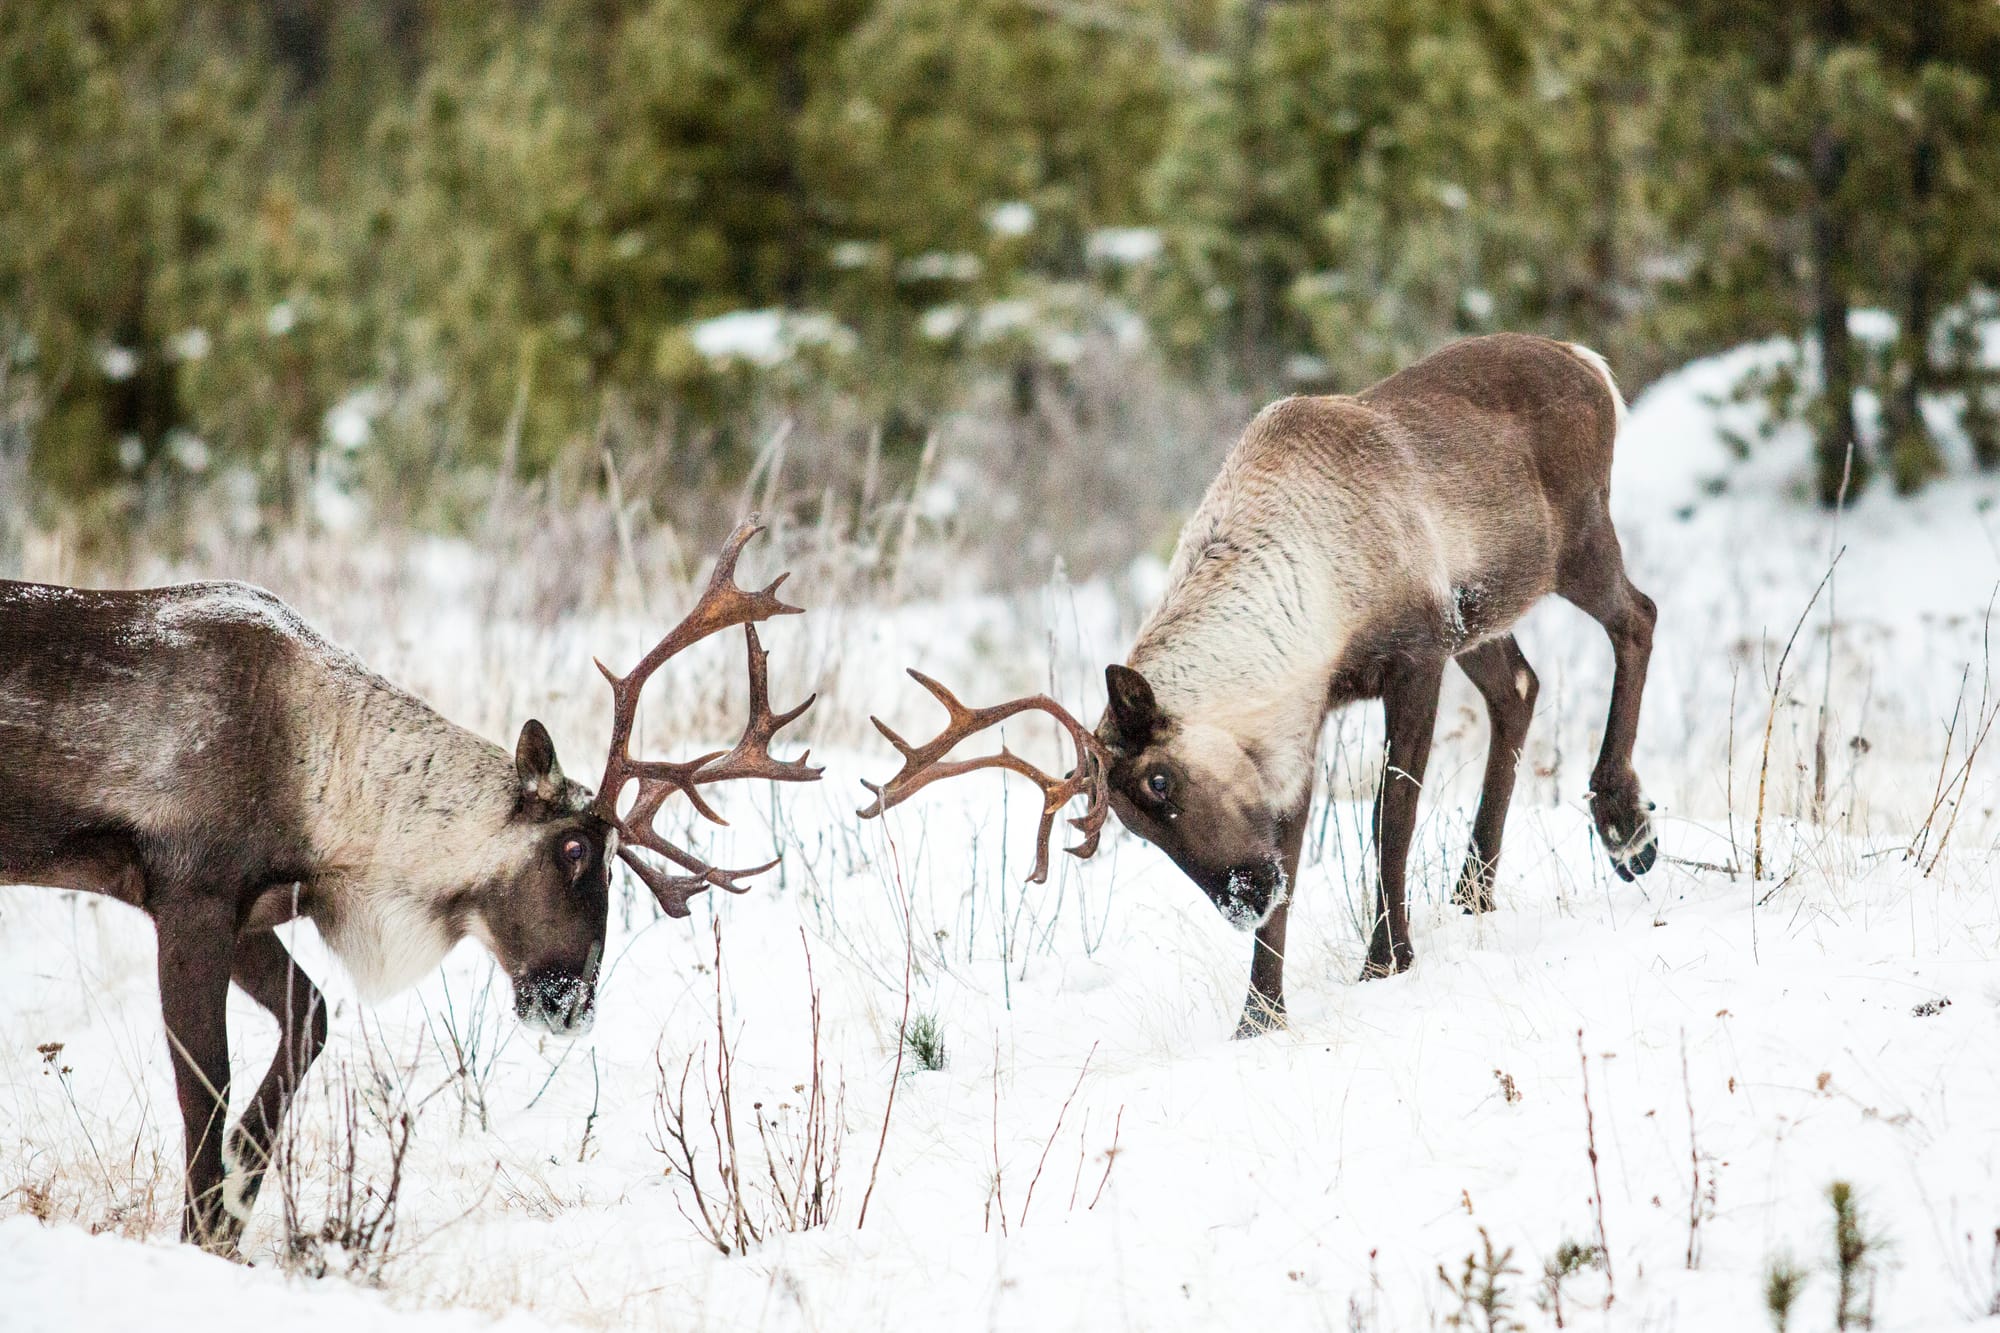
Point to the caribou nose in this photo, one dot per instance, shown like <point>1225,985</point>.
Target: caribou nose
<point>1247,895</point>
<point>556,1000</point>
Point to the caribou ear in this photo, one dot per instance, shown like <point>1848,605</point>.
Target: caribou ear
<point>1134,714</point>
<point>535,763</point>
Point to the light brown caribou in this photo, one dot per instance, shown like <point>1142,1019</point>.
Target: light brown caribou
<point>201,753</point>
<point>1352,546</point>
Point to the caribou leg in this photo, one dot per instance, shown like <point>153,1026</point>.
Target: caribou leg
<point>1507,683</point>
<point>267,973</point>
<point>197,936</point>
<point>1596,582</point>
<point>1264,1005</point>
<point>1409,703</point>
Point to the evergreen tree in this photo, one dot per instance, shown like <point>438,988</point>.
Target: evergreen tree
<point>1843,141</point>
<point>129,138</point>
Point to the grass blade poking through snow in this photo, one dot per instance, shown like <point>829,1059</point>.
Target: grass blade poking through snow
<point>902,1026</point>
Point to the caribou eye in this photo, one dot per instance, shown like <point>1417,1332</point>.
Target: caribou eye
<point>574,851</point>
<point>1158,783</point>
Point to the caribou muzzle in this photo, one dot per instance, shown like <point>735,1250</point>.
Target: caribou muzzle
<point>560,999</point>
<point>1246,895</point>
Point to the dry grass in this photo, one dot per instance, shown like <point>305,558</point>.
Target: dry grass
<point>735,1205</point>
<point>559,571</point>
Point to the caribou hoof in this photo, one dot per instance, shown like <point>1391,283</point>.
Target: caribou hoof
<point>1375,968</point>
<point>1635,854</point>
<point>1473,901</point>
<point>1260,1018</point>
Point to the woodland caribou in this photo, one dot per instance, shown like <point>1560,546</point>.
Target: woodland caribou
<point>1350,548</point>
<point>201,753</point>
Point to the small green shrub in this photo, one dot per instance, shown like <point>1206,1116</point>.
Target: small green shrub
<point>925,1041</point>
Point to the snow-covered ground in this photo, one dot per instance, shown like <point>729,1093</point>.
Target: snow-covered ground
<point>1096,1151</point>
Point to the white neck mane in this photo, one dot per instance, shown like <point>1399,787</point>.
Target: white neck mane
<point>405,809</point>
<point>1254,618</point>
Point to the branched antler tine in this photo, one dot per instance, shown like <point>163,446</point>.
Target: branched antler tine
<point>904,747</point>
<point>722,604</point>
<point>1091,822</point>
<point>702,807</point>
<point>1041,872</point>
<point>752,756</point>
<point>926,763</point>
<point>659,779</point>
<point>726,879</point>
<point>765,724</point>
<point>943,695</point>
<point>769,593</point>
<point>874,807</point>
<point>779,721</point>
<point>673,891</point>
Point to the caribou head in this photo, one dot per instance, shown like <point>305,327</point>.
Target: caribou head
<point>547,928</point>
<point>1175,786</point>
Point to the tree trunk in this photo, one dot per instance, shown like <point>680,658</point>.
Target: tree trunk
<point>14,426</point>
<point>1841,469</point>
<point>1603,306</point>
<point>1914,456</point>
<point>301,39</point>
<point>793,254</point>
<point>1254,326</point>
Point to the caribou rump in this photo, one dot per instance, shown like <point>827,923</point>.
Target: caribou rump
<point>1351,547</point>
<point>202,754</point>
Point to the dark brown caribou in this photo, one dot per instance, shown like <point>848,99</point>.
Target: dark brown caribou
<point>1352,547</point>
<point>201,753</point>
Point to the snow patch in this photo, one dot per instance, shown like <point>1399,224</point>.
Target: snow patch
<point>1126,247</point>
<point>767,338</point>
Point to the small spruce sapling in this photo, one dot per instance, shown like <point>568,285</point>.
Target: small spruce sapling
<point>925,1040</point>
<point>1571,1257</point>
<point>1853,1256</point>
<point>1481,1290</point>
<point>1784,1279</point>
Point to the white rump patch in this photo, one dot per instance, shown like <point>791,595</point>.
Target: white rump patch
<point>1603,369</point>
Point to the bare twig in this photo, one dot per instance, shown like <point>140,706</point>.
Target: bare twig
<point>724,1216</point>
<point>903,1026</point>
<point>1986,719</point>
<point>1596,1184</point>
<point>996,1192</point>
<point>670,1119</point>
<point>358,1225</point>
<point>1832,625</point>
<point>1110,1158</point>
<point>804,1172</point>
<point>1729,780</point>
<point>1082,1151</point>
<point>1916,848</point>
<point>725,1068</point>
<point>1696,1195</point>
<point>1764,768</point>
<point>590,1120</point>
<point>1027,1202</point>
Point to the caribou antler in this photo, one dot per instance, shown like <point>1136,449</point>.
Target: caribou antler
<point>925,764</point>
<point>722,606</point>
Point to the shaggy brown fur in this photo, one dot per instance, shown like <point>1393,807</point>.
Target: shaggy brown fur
<point>1352,547</point>
<point>200,753</point>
